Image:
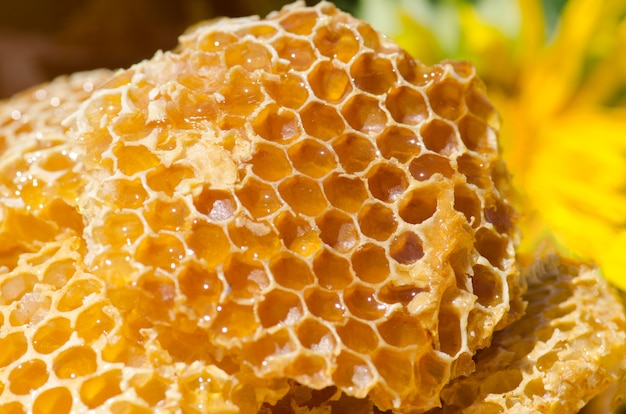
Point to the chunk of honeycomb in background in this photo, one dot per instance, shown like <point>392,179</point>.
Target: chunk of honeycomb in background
<point>280,215</point>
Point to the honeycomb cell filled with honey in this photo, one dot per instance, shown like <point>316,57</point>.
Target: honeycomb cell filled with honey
<point>286,214</point>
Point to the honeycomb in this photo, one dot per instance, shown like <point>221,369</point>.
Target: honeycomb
<point>286,214</point>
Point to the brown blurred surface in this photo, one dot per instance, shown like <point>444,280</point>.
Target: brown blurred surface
<point>40,40</point>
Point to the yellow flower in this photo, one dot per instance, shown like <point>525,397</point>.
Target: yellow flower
<point>560,86</point>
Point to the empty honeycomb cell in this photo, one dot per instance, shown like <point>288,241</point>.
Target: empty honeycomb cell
<point>246,278</point>
<point>208,242</point>
<point>491,246</point>
<point>370,263</point>
<point>324,304</point>
<point>276,124</point>
<point>440,136</point>
<point>390,293</point>
<point>401,330</point>
<point>352,371</point>
<point>447,98</point>
<point>12,408</point>
<point>363,303</point>
<point>234,321</point>
<point>406,248</point>
<point>93,322</point>
<point>394,367</point>
<point>321,121</point>
<point>57,400</point>
<point>76,292</point>
<point>364,114</point>
<point>332,270</point>
<point>132,159</point>
<point>500,215</point>
<point>166,178</point>
<point>28,376</point>
<point>358,336</point>
<point>250,55</point>
<point>336,41</point>
<point>257,239</point>
<point>150,388</point>
<point>387,182</point>
<point>487,286</point>
<point>166,215</point>
<point>14,288</point>
<point>345,192</point>
<point>279,306</point>
<point>475,133</point>
<point>75,362</point>
<point>164,251</point>
<point>51,335</point>
<point>450,334</point>
<point>329,81</point>
<point>372,74</point>
<point>315,335</point>
<point>127,193</point>
<point>31,308</point>
<point>377,221</point>
<point>96,390</point>
<point>270,162</point>
<point>303,194</point>
<point>418,205</point>
<point>290,271</point>
<point>466,201</point>
<point>312,157</point>
<point>399,143</point>
<point>337,230</point>
<point>473,168</point>
<point>407,105</point>
<point>259,198</point>
<point>297,233</point>
<point>427,165</point>
<point>355,152</point>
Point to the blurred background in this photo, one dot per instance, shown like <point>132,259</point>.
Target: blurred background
<point>555,69</point>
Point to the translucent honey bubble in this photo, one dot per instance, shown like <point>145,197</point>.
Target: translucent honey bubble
<point>377,221</point>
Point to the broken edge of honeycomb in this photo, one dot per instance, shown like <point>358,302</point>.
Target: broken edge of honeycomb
<point>568,347</point>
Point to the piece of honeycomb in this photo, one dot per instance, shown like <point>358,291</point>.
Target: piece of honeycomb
<point>281,215</point>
